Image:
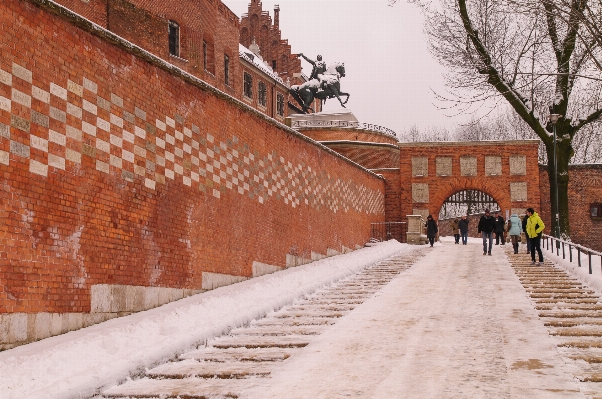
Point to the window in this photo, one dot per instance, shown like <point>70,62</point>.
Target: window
<point>226,69</point>
<point>174,38</point>
<point>595,211</point>
<point>274,65</point>
<point>248,85</point>
<point>204,55</point>
<point>280,104</point>
<point>263,94</point>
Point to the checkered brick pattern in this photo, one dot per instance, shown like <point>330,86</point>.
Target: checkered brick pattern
<point>54,126</point>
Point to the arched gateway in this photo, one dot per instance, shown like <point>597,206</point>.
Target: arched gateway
<point>430,173</point>
<point>420,177</point>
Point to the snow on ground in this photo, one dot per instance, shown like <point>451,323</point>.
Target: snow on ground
<point>593,280</point>
<point>457,324</point>
<point>80,363</point>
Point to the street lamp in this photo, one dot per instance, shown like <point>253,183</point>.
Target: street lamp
<point>553,119</point>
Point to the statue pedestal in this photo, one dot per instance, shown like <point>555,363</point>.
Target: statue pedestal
<point>342,118</point>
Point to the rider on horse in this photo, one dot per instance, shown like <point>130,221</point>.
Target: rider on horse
<point>319,66</point>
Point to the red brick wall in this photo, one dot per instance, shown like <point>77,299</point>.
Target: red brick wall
<point>392,194</point>
<point>119,169</point>
<point>145,24</point>
<point>585,188</point>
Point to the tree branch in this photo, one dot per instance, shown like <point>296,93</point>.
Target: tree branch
<point>494,78</point>
<point>591,118</point>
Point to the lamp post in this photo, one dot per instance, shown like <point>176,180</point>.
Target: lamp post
<point>553,119</point>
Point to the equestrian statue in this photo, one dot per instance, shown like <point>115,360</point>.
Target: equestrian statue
<point>323,83</point>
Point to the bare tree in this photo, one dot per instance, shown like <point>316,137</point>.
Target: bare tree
<point>532,55</point>
<point>431,133</point>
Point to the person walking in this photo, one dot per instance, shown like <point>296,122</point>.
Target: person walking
<point>499,229</point>
<point>528,241</point>
<point>514,229</point>
<point>431,229</point>
<point>485,228</point>
<point>463,226</point>
<point>535,228</point>
<point>456,230</point>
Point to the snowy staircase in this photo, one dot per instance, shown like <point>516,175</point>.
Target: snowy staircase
<point>573,315</point>
<point>245,357</point>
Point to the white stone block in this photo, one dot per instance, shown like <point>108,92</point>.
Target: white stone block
<point>4,157</point>
<point>259,269</point>
<point>22,73</point>
<point>40,94</point>
<point>100,298</point>
<point>38,168</point>
<point>216,280</point>
<point>56,161</point>
<point>317,256</point>
<point>5,104</point>
<point>58,91</point>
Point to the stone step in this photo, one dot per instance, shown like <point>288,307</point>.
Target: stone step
<point>574,322</point>
<point>296,321</point>
<point>271,330</point>
<point>226,370</point>
<point>240,354</point>
<point>189,388</point>
<point>569,307</point>
<point>286,341</point>
<point>317,313</point>
<point>573,332</point>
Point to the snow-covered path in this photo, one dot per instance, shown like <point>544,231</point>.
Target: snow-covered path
<point>455,325</point>
<point>451,324</point>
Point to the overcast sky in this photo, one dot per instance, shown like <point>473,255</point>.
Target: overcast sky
<point>390,73</point>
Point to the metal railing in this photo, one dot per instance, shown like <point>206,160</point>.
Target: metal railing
<point>562,244</point>
<point>351,124</point>
<point>385,231</point>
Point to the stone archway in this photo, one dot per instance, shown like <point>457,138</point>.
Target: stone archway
<point>466,202</point>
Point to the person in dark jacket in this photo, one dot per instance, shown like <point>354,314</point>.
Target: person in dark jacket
<point>528,242</point>
<point>486,227</point>
<point>499,229</point>
<point>463,226</point>
<point>431,229</point>
<point>456,230</point>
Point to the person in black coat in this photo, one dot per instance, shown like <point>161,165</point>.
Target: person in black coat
<point>431,229</point>
<point>526,235</point>
<point>486,228</point>
<point>499,229</point>
<point>463,226</point>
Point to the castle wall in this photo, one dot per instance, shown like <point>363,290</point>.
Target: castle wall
<point>585,188</point>
<point>126,183</point>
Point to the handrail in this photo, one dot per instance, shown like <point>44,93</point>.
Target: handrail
<point>351,124</point>
<point>549,242</point>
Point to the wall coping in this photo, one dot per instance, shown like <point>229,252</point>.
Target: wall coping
<point>468,143</point>
<point>361,143</point>
<point>108,36</point>
<point>577,166</point>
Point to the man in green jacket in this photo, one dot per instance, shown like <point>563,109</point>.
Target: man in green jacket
<point>535,228</point>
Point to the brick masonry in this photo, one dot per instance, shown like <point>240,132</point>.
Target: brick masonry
<point>431,172</point>
<point>585,188</point>
<point>116,169</point>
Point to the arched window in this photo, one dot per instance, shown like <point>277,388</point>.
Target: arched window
<point>174,38</point>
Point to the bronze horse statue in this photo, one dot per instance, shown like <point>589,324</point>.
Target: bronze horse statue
<point>328,85</point>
